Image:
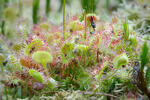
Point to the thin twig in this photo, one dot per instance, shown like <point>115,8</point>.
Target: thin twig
<point>104,94</point>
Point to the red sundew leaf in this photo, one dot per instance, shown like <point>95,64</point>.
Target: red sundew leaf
<point>36,29</point>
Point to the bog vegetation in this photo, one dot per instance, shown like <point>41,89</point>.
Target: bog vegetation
<point>74,49</point>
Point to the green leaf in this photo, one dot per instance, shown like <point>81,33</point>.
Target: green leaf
<point>125,27</point>
<point>144,55</point>
<point>121,60</point>
<point>36,75</point>
<point>42,57</point>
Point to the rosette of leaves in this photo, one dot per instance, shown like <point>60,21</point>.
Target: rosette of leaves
<point>36,75</point>
<point>33,46</point>
<point>42,57</point>
<point>67,52</point>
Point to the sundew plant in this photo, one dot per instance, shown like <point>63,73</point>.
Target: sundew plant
<point>74,50</point>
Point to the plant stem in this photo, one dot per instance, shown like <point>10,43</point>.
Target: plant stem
<point>47,9</point>
<point>64,19</point>
<point>85,20</point>
<point>107,3</point>
<point>45,68</point>
<point>20,5</point>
